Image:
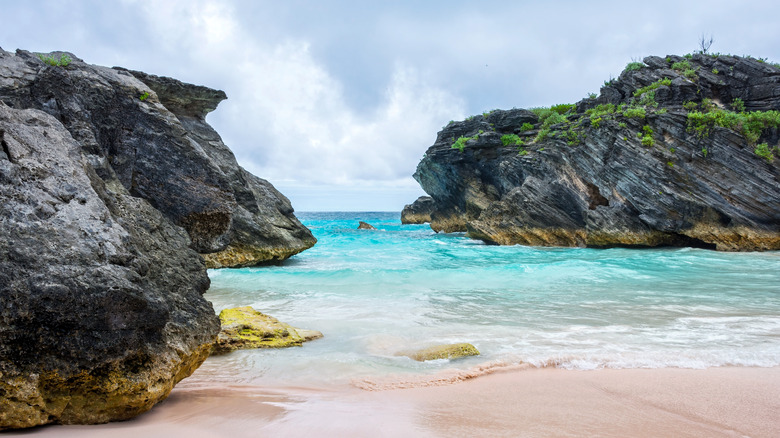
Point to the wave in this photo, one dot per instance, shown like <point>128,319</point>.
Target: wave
<point>574,363</point>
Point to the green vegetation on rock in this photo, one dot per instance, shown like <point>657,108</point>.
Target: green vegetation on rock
<point>460,143</point>
<point>246,328</point>
<point>63,61</point>
<point>449,351</point>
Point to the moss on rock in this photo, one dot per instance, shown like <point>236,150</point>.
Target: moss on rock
<point>447,351</point>
<point>246,328</point>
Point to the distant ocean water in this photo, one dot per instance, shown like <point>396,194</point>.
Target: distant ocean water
<point>375,293</point>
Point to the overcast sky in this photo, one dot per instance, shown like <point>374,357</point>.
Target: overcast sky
<point>335,102</point>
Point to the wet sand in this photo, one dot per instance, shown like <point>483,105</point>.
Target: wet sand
<point>718,402</point>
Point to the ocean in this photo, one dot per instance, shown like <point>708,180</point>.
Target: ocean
<point>375,293</point>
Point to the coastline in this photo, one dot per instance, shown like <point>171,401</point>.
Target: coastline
<point>714,402</point>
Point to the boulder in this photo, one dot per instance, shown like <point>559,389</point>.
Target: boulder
<point>365,226</point>
<point>418,212</point>
<point>149,134</point>
<point>100,294</point>
<point>445,351</point>
<point>245,328</point>
<point>111,184</point>
<point>651,177</point>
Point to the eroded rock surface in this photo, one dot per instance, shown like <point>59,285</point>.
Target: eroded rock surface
<point>111,183</point>
<point>644,174</point>
<point>246,328</point>
<point>101,305</point>
<point>418,212</point>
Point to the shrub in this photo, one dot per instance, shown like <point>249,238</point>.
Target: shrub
<point>601,110</point>
<point>632,66</point>
<point>595,122</point>
<point>648,99</point>
<point>738,105</point>
<point>63,61</point>
<point>665,81</point>
<point>647,140</point>
<point>690,106</point>
<point>763,151</point>
<point>526,127</point>
<point>689,73</point>
<point>460,143</point>
<point>511,139</point>
<point>522,151</point>
<point>144,96</point>
<point>635,113</point>
<point>554,118</point>
<point>704,152</point>
<point>562,108</point>
<point>681,65</point>
<point>749,124</point>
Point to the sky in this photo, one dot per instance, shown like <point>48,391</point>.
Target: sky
<point>335,102</point>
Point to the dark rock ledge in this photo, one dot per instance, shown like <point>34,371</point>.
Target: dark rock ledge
<point>644,177</point>
<point>111,184</point>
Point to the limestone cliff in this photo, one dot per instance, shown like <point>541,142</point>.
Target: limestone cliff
<point>149,133</point>
<point>675,151</point>
<point>111,183</point>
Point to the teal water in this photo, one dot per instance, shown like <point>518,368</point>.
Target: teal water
<point>375,293</point>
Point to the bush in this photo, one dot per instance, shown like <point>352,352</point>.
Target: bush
<point>601,110</point>
<point>738,105</point>
<point>595,122</point>
<point>763,151</point>
<point>635,113</point>
<point>632,66</point>
<point>63,61</point>
<point>511,139</point>
<point>460,143</point>
<point>681,66</point>
<point>665,81</point>
<point>526,127</point>
<point>562,108</point>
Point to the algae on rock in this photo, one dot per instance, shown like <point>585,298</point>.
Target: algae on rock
<point>245,328</point>
<point>446,351</point>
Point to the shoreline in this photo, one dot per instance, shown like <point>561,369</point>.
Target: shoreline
<point>714,402</point>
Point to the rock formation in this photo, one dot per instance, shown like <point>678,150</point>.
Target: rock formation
<point>445,351</point>
<point>246,328</point>
<point>149,134</point>
<point>108,191</point>
<point>418,212</point>
<point>365,226</point>
<point>676,151</point>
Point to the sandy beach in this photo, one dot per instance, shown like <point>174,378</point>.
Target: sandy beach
<point>717,402</point>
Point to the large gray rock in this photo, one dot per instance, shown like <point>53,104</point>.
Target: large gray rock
<point>149,133</point>
<point>593,183</point>
<point>418,212</point>
<point>101,305</point>
<point>108,192</point>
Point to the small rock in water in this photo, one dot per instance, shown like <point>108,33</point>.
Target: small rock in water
<point>245,328</point>
<point>365,226</point>
<point>446,351</point>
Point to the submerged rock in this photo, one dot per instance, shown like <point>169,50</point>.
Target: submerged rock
<point>646,163</point>
<point>418,212</point>
<point>447,351</point>
<point>246,328</point>
<point>365,226</point>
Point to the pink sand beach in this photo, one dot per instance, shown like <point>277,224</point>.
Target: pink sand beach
<point>716,402</point>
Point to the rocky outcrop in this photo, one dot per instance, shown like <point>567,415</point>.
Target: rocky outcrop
<point>246,328</point>
<point>101,305</point>
<point>664,155</point>
<point>108,192</point>
<point>418,212</point>
<point>149,134</point>
<point>445,351</point>
<point>365,226</point>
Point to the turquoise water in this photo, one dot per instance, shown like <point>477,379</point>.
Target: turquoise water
<point>375,293</point>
